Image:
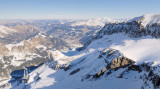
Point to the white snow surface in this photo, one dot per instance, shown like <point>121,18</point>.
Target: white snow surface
<point>143,49</point>
<point>51,79</point>
<point>147,19</point>
<point>138,49</point>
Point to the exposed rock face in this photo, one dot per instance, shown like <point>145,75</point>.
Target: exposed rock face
<point>136,27</point>
<point>120,62</point>
<point>114,59</point>
<point>75,71</point>
<point>133,29</point>
<point>150,73</point>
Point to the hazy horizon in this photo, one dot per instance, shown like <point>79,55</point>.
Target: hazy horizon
<point>76,9</point>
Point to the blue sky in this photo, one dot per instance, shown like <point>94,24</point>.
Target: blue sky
<point>77,9</point>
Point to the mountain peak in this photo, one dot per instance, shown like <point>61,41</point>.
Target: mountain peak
<point>150,19</point>
<point>147,19</point>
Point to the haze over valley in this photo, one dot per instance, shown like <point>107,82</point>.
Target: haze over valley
<point>79,44</point>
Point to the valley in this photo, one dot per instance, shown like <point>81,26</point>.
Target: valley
<point>83,54</point>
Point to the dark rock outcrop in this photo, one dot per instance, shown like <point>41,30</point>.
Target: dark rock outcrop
<point>114,60</point>
<point>134,28</point>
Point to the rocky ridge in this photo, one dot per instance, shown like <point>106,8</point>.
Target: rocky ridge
<point>135,28</point>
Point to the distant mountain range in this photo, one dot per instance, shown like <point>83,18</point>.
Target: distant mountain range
<point>74,32</point>
<point>27,43</point>
<point>121,54</point>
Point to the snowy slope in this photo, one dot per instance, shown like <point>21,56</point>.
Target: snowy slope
<point>147,19</point>
<point>5,31</point>
<point>87,63</point>
<point>31,52</point>
<point>138,49</point>
<point>112,61</point>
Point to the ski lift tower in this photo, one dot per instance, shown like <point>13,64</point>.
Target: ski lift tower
<point>25,76</point>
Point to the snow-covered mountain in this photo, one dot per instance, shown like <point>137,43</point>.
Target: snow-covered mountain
<point>28,52</point>
<point>93,22</point>
<point>101,66</point>
<point>74,32</point>
<point>136,27</point>
<point>147,19</point>
<point>5,31</point>
<point>9,35</point>
<point>22,44</point>
<point>122,55</point>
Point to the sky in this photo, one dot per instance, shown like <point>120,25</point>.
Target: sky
<point>76,9</point>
